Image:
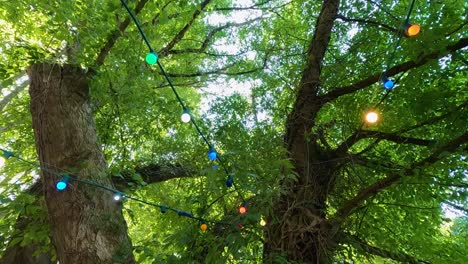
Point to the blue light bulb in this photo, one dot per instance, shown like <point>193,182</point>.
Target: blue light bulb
<point>61,185</point>
<point>212,155</point>
<point>388,84</point>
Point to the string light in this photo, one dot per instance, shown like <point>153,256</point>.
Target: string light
<point>203,227</point>
<point>185,117</point>
<point>151,58</point>
<point>212,155</point>
<point>229,181</point>
<point>262,222</point>
<point>372,117</point>
<point>387,83</point>
<point>7,154</point>
<point>411,30</point>
<point>118,196</point>
<point>62,184</point>
<point>242,209</point>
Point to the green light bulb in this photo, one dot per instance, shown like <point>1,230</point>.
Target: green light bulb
<point>151,58</point>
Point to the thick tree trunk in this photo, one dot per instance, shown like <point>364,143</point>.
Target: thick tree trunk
<point>297,229</point>
<point>87,225</point>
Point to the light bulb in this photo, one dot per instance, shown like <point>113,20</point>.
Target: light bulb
<point>117,196</point>
<point>185,116</point>
<point>212,155</point>
<point>203,227</point>
<point>372,117</point>
<point>61,185</point>
<point>412,30</point>
<point>151,58</point>
<point>242,209</point>
<point>262,222</point>
<point>388,84</point>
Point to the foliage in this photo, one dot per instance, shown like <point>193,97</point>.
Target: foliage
<point>137,119</point>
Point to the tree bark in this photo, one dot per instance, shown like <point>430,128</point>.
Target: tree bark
<point>297,229</point>
<point>86,225</point>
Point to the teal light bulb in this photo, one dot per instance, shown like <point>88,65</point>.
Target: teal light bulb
<point>151,58</point>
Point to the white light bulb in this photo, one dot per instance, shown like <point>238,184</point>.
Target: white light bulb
<point>185,117</point>
<point>372,117</point>
<point>117,197</point>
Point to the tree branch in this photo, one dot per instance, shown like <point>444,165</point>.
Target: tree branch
<point>458,207</point>
<point>369,22</point>
<point>152,173</point>
<point>360,244</point>
<point>362,134</point>
<point>177,38</point>
<point>384,183</point>
<point>6,100</point>
<point>210,35</point>
<point>221,71</point>
<point>364,83</point>
<point>112,38</point>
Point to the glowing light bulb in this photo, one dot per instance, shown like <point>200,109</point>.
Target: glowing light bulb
<point>242,209</point>
<point>118,196</point>
<point>185,116</point>
<point>61,185</point>
<point>262,222</point>
<point>203,227</point>
<point>412,30</point>
<point>151,58</point>
<point>212,155</point>
<point>372,117</point>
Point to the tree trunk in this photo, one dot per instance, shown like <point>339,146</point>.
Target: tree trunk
<point>297,229</point>
<point>87,225</point>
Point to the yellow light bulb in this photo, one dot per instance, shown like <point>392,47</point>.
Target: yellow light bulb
<point>262,222</point>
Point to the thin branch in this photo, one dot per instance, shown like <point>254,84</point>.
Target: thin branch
<point>458,207</point>
<point>364,83</point>
<point>220,71</point>
<point>360,244</point>
<point>177,38</point>
<point>210,35</point>
<point>112,38</point>
<point>394,137</point>
<point>6,100</point>
<point>367,22</point>
<point>384,183</point>
<point>234,8</point>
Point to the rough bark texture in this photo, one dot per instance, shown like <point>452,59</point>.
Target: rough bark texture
<point>298,230</point>
<point>87,226</point>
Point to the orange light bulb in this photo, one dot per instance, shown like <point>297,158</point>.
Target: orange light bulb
<point>203,227</point>
<point>242,210</point>
<point>412,30</point>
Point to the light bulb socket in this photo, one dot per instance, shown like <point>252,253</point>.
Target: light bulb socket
<point>7,154</point>
<point>229,181</point>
